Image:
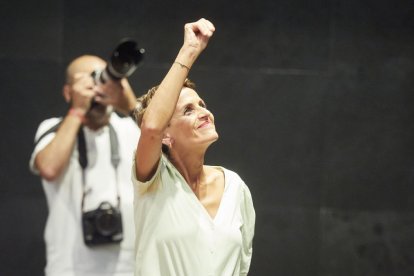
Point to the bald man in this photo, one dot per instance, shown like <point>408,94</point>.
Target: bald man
<point>84,160</point>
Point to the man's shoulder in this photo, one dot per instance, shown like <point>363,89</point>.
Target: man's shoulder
<point>117,119</point>
<point>46,125</point>
<point>124,124</point>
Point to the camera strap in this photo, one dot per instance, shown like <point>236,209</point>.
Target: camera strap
<point>54,128</point>
<point>83,159</point>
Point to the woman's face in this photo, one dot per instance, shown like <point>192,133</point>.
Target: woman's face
<point>191,124</point>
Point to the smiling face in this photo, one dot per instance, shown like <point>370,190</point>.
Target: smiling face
<point>192,124</point>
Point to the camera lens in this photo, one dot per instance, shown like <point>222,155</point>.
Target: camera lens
<point>124,59</point>
<point>106,223</point>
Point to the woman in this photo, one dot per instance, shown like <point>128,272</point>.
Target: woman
<point>191,219</point>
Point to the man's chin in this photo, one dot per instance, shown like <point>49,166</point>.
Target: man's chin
<point>98,115</point>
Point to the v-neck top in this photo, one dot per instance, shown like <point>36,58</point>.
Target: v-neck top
<point>176,236</point>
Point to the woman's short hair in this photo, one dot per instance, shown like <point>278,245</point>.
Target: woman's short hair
<point>144,101</point>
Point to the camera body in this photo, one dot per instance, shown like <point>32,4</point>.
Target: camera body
<point>102,225</point>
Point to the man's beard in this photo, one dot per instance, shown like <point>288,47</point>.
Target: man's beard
<point>98,115</point>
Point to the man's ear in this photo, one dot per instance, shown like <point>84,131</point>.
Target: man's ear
<point>66,93</point>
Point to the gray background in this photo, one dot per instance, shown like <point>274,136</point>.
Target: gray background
<point>313,103</point>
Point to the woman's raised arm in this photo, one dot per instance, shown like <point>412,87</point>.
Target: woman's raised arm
<point>162,105</point>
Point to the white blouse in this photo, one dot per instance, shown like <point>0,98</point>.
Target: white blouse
<point>175,235</point>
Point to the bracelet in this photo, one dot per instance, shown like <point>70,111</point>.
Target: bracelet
<point>77,113</point>
<point>182,65</point>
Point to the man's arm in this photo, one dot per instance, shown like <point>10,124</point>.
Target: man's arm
<point>119,94</point>
<point>53,159</point>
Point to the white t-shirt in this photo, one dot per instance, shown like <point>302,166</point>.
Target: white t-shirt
<point>175,235</point>
<point>67,255</point>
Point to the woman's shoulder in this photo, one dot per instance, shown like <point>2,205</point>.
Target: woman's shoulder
<point>229,173</point>
<point>231,177</point>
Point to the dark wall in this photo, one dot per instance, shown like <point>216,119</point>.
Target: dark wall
<point>313,103</point>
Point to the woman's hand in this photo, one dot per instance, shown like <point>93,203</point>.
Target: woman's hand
<point>197,35</point>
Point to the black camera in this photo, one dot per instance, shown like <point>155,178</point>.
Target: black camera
<point>102,225</point>
<point>122,63</point>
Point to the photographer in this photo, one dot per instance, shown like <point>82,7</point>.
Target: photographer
<point>84,160</point>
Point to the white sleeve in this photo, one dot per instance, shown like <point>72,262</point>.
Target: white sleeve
<point>247,230</point>
<point>43,128</point>
<point>142,187</point>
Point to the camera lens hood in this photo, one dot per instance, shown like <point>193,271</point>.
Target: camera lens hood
<point>125,59</point>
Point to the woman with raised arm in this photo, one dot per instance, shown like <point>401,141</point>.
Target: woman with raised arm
<point>191,219</point>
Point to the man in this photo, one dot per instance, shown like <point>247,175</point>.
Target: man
<point>85,162</point>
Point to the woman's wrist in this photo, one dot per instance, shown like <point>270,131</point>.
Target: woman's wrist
<point>182,65</point>
<point>187,56</point>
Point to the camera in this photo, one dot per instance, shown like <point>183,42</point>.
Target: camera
<point>122,63</point>
<point>102,225</point>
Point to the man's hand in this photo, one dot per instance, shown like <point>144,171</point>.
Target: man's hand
<point>119,94</point>
<point>82,91</point>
